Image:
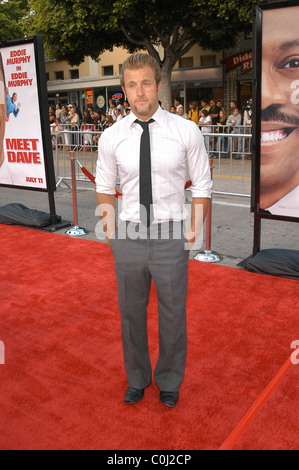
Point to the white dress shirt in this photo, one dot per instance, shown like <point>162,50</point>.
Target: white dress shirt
<point>177,152</point>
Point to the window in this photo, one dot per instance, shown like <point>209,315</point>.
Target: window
<point>186,62</point>
<point>74,74</point>
<point>59,75</point>
<point>207,60</point>
<point>107,70</point>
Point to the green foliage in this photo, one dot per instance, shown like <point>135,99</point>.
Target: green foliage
<point>12,14</point>
<point>73,29</point>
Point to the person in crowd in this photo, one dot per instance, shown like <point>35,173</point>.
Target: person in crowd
<point>128,110</point>
<point>234,120</point>
<point>120,107</point>
<point>194,113</point>
<point>233,105</point>
<point>74,121</point>
<point>65,127</point>
<point>78,111</point>
<point>214,112</point>
<point>247,118</point>
<point>173,109</point>
<point>118,113</point>
<point>64,115</point>
<point>52,116</point>
<point>204,105</point>
<point>98,124</point>
<point>177,105</point>
<point>56,128</point>
<point>97,119</point>
<point>91,111</point>
<point>219,103</point>
<point>111,110</point>
<point>182,114</point>
<point>103,122</point>
<point>58,110</point>
<point>221,129</point>
<point>87,125</point>
<point>205,122</point>
<point>110,121</point>
<point>126,106</point>
<point>152,209</point>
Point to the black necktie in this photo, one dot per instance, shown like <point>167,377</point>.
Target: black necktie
<point>145,175</point>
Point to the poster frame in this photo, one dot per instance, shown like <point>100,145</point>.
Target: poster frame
<point>37,42</point>
<point>259,214</point>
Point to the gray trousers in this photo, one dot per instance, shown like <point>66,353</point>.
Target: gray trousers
<point>151,256</point>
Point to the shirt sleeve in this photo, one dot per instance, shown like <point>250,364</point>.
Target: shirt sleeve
<point>106,172</point>
<point>198,164</point>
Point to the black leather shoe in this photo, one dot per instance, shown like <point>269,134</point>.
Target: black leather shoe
<point>133,395</point>
<point>169,398</point>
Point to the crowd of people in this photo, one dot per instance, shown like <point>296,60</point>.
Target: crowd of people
<point>210,116</point>
<point>67,117</point>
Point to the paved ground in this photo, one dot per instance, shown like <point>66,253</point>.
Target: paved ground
<point>232,222</point>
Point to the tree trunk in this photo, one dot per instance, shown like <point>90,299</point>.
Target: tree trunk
<point>165,92</point>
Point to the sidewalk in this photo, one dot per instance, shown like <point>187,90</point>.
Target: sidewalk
<point>232,222</point>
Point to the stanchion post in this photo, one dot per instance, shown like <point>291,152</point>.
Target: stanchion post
<point>75,231</point>
<point>208,256</point>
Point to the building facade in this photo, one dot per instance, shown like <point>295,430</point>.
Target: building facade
<point>200,74</point>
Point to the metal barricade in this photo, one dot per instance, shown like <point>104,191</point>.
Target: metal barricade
<point>232,153</point>
<point>84,145</point>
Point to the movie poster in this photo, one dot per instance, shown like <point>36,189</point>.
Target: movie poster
<point>22,159</point>
<point>279,146</point>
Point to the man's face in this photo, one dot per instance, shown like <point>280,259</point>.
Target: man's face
<point>280,110</point>
<point>142,91</point>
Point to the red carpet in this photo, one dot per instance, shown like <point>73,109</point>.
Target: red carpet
<point>63,383</point>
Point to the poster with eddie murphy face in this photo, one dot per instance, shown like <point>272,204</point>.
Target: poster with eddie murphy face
<point>279,151</point>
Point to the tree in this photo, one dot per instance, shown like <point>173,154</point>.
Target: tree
<point>166,29</point>
<point>11,14</point>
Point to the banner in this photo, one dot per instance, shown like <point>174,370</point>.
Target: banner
<point>277,111</point>
<point>242,60</point>
<point>26,159</point>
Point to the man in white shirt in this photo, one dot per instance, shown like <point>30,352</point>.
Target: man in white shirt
<point>155,251</point>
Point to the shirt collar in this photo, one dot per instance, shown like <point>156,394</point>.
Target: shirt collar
<point>158,117</point>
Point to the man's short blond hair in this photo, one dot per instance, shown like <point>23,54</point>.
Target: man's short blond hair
<point>139,60</point>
